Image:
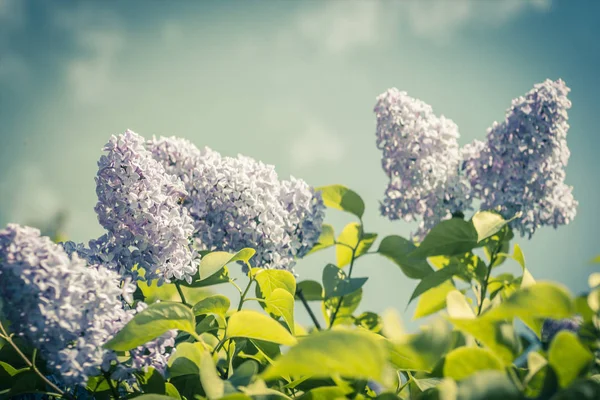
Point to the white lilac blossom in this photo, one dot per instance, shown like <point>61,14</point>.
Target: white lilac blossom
<point>422,159</point>
<point>521,168</point>
<point>240,202</point>
<point>139,206</point>
<point>61,306</point>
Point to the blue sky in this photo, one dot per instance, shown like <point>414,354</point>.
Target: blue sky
<point>292,84</point>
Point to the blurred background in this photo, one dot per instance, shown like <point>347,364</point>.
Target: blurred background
<point>291,83</point>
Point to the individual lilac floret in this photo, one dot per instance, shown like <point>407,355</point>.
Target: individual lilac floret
<point>61,306</point>
<point>240,202</point>
<point>139,205</point>
<point>551,327</point>
<point>422,159</point>
<point>521,168</point>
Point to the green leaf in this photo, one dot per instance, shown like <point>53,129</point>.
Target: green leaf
<point>326,239</point>
<point>458,306</point>
<point>153,397</point>
<point>433,300</point>
<point>527,279</point>
<point>349,304</point>
<point>369,320</point>
<point>281,304</point>
<point>152,322</point>
<point>311,290</point>
<point>213,385</point>
<point>351,354</point>
<point>216,304</point>
<point>337,284</point>
<point>352,236</point>
<point>423,350</point>
<point>593,300</point>
<point>487,224</point>
<point>568,357</point>
<point>465,361</point>
<point>596,260</point>
<point>218,278</point>
<point>171,391</point>
<point>186,359</point>
<point>152,382</point>
<point>531,305</point>
<point>397,249</point>
<point>242,376</point>
<point>270,279</point>
<point>451,237</point>
<point>324,393</point>
<point>342,198</point>
<point>254,325</point>
<point>213,262</point>
<point>488,385</point>
<point>434,279</point>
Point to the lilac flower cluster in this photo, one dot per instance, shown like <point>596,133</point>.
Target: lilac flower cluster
<point>519,170</point>
<point>422,159</point>
<point>68,309</point>
<point>60,305</point>
<point>552,327</point>
<point>239,202</point>
<point>138,204</point>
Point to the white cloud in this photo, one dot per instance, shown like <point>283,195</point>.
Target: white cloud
<point>100,37</point>
<point>92,76</point>
<point>33,198</point>
<point>316,145</point>
<point>340,26</point>
<point>440,20</point>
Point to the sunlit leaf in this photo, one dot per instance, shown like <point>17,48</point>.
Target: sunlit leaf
<point>352,237</point>
<point>568,357</point>
<point>342,198</point>
<point>465,361</point>
<point>151,323</point>
<point>216,304</point>
<point>254,325</point>
<point>213,386</point>
<point>213,262</point>
<point>326,239</point>
<point>186,359</point>
<point>270,279</point>
<point>281,304</point>
<point>487,224</point>
<point>350,354</point>
<point>433,300</point>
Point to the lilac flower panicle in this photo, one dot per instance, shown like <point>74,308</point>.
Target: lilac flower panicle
<point>552,327</point>
<point>422,159</point>
<point>139,205</point>
<point>238,202</point>
<point>521,167</point>
<point>61,306</point>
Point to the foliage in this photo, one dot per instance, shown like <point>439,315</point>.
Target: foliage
<point>490,335</point>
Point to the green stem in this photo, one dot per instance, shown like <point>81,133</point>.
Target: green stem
<point>484,285</point>
<point>181,294</point>
<point>112,387</point>
<point>339,305</point>
<point>4,335</point>
<point>243,296</point>
<point>308,309</point>
<point>219,345</point>
<point>254,298</point>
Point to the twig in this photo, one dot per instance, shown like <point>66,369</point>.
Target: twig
<point>310,311</point>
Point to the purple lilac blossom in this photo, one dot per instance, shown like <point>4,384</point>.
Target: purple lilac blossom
<point>551,327</point>
<point>422,159</point>
<point>240,202</point>
<point>61,306</point>
<point>520,170</point>
<point>139,206</point>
